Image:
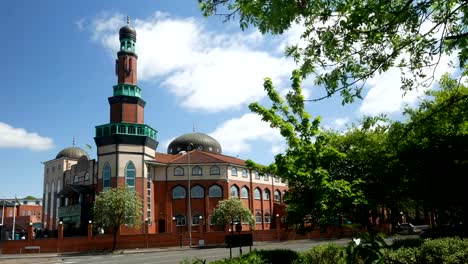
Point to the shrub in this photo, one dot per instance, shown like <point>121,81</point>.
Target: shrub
<point>403,255</point>
<point>250,258</point>
<point>278,256</point>
<point>444,250</point>
<point>324,254</point>
<point>407,243</point>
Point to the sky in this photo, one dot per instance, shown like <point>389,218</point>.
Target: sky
<point>199,73</point>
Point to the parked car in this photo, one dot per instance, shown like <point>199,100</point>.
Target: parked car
<point>404,228</point>
<point>445,231</point>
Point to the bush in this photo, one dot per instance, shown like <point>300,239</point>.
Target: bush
<point>403,255</point>
<point>250,258</point>
<point>324,254</point>
<point>407,243</point>
<point>444,250</point>
<point>277,256</point>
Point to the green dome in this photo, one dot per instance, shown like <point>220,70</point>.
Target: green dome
<point>72,153</point>
<point>192,141</point>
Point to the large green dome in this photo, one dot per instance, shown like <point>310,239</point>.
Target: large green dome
<point>193,141</point>
<point>72,153</point>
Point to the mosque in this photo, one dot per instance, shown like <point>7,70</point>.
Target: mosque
<point>179,188</point>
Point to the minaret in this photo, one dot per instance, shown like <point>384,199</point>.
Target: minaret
<point>125,142</point>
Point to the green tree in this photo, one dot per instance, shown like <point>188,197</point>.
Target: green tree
<point>349,41</point>
<point>312,192</point>
<point>115,207</point>
<point>230,211</point>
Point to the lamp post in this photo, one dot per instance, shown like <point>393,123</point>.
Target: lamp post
<point>189,148</point>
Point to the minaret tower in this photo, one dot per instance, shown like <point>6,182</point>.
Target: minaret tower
<point>125,142</point>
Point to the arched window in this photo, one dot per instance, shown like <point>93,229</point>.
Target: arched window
<point>234,191</point>
<point>257,194</point>
<point>277,196</point>
<point>245,193</point>
<point>52,189</point>
<point>214,170</point>
<point>178,192</point>
<point>197,171</point>
<point>258,218</point>
<point>86,177</point>
<point>256,175</point>
<point>130,175</point>
<point>215,191</point>
<point>148,194</point>
<point>197,192</point>
<point>266,177</point>
<point>46,197</point>
<point>233,171</point>
<point>267,218</point>
<point>106,176</point>
<point>266,194</point>
<point>244,173</point>
<point>180,220</point>
<point>178,171</point>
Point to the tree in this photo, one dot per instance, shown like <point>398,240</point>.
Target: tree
<point>115,207</point>
<point>230,211</point>
<point>349,41</point>
<point>312,192</point>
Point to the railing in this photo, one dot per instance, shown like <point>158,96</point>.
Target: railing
<point>127,89</point>
<point>126,129</point>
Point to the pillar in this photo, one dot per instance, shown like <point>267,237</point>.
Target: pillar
<point>278,227</point>
<point>90,230</point>
<point>30,231</point>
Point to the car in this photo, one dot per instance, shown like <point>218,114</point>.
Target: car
<point>404,228</point>
<point>458,230</point>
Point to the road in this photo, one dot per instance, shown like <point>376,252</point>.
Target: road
<point>163,256</point>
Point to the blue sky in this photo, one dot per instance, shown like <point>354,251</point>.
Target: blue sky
<point>57,72</point>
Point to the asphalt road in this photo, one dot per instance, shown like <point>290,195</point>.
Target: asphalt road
<point>164,256</point>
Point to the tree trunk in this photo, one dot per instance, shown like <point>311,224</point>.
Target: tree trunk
<point>114,243</point>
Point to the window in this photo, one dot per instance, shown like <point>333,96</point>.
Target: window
<point>178,171</point>
<point>180,220</point>
<point>266,194</point>
<point>245,193</point>
<point>25,202</point>
<point>59,188</point>
<point>106,176</point>
<point>29,212</point>
<point>196,219</point>
<point>277,196</point>
<point>86,177</point>
<point>267,218</point>
<point>257,176</point>
<point>234,191</point>
<point>148,194</point>
<point>46,197</point>
<point>215,191</point>
<point>11,213</point>
<point>178,192</point>
<point>197,171</point>
<point>52,189</point>
<point>258,218</point>
<point>233,171</point>
<point>197,192</point>
<point>257,194</point>
<point>276,178</point>
<point>130,175</point>
<point>38,202</point>
<point>266,177</point>
<point>244,173</point>
<point>214,170</point>
<point>24,212</point>
<point>76,179</point>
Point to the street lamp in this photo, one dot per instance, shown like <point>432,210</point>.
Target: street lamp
<point>189,148</point>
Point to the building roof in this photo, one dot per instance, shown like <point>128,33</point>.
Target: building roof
<point>197,157</point>
<point>127,32</point>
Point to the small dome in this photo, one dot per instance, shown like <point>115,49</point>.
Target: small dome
<point>72,153</point>
<point>127,32</point>
<point>192,141</point>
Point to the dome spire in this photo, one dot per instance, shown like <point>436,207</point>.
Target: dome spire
<point>128,20</point>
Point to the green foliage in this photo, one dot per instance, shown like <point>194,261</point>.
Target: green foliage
<point>312,193</point>
<point>407,243</point>
<point>347,42</point>
<point>250,258</point>
<point>230,211</point>
<point>323,254</point>
<point>277,256</point>
<point>400,256</point>
<point>115,207</point>
<point>29,197</point>
<point>366,249</point>
<point>444,250</point>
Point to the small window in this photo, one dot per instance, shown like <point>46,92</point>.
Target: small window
<point>196,219</point>
<point>258,218</point>
<point>86,177</point>
<point>257,194</point>
<point>245,193</point>
<point>178,171</point>
<point>233,171</point>
<point>214,170</point>
<point>130,175</point>
<point>267,218</point>
<point>197,192</point>
<point>244,173</point>
<point>25,202</point>
<point>178,193</point>
<point>257,176</point>
<point>76,179</point>
<point>215,191</point>
<point>266,194</point>
<point>234,191</point>
<point>266,177</point>
<point>197,171</point>
<point>38,202</point>
<point>106,176</point>
<point>180,220</point>
<point>276,179</point>
<point>277,196</point>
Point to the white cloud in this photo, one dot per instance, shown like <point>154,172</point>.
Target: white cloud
<point>80,24</point>
<point>208,71</point>
<point>238,134</point>
<point>341,122</point>
<point>11,137</point>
